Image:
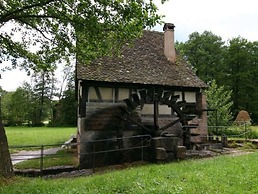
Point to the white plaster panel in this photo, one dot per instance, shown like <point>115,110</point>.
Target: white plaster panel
<point>164,110</point>
<point>148,109</point>
<point>190,96</point>
<point>92,94</point>
<point>123,93</point>
<point>106,93</point>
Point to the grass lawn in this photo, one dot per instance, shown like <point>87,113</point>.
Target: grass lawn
<point>64,157</point>
<point>224,174</point>
<point>255,128</point>
<point>22,136</point>
<point>37,136</point>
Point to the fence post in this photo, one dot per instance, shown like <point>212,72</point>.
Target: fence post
<point>142,147</point>
<point>94,148</point>
<point>41,159</point>
<point>245,131</point>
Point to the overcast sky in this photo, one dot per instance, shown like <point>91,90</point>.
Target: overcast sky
<point>225,18</point>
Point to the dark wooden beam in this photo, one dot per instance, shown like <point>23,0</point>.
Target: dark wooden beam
<point>170,124</point>
<point>156,112</point>
<point>98,94</point>
<point>83,100</point>
<point>135,122</point>
<point>116,94</point>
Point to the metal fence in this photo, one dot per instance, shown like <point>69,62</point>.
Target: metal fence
<point>39,153</point>
<point>36,154</point>
<point>107,149</point>
<point>243,131</point>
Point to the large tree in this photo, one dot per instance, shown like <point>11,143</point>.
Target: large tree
<point>64,109</point>
<point>233,65</point>
<point>43,89</point>
<point>242,68</point>
<point>35,34</point>
<point>14,105</point>
<point>205,52</point>
<point>6,168</point>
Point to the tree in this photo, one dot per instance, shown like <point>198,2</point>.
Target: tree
<point>14,107</point>
<point>242,68</point>
<point>6,168</point>
<point>64,110</point>
<point>205,53</point>
<point>219,100</point>
<point>253,91</point>
<point>42,94</point>
<point>45,31</point>
<point>232,64</point>
<point>57,30</point>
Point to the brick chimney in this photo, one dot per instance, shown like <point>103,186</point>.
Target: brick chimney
<point>169,46</point>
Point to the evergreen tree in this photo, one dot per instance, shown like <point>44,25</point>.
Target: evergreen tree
<point>42,94</point>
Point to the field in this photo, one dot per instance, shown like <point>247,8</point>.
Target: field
<point>34,137</point>
<point>23,136</point>
<point>255,128</point>
<point>223,174</point>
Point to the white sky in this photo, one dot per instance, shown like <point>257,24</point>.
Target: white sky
<point>225,18</point>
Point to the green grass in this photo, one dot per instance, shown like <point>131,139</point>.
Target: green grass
<point>22,136</point>
<point>237,132</point>
<point>224,174</point>
<point>255,128</point>
<point>61,158</point>
<point>37,136</point>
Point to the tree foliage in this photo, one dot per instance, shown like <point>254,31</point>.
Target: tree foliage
<point>46,31</point>
<point>43,91</point>
<point>15,107</point>
<point>233,64</point>
<point>36,34</point>
<point>65,110</point>
<point>219,99</point>
<point>242,66</point>
<point>205,53</point>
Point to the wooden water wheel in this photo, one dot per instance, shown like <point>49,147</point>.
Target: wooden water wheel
<point>183,110</point>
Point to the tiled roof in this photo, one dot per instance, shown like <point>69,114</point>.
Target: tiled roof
<point>142,63</point>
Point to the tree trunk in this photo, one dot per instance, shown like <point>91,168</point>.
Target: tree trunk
<point>6,167</point>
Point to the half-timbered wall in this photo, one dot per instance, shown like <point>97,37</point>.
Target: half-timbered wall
<point>117,95</point>
<point>99,108</point>
<point>93,99</point>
